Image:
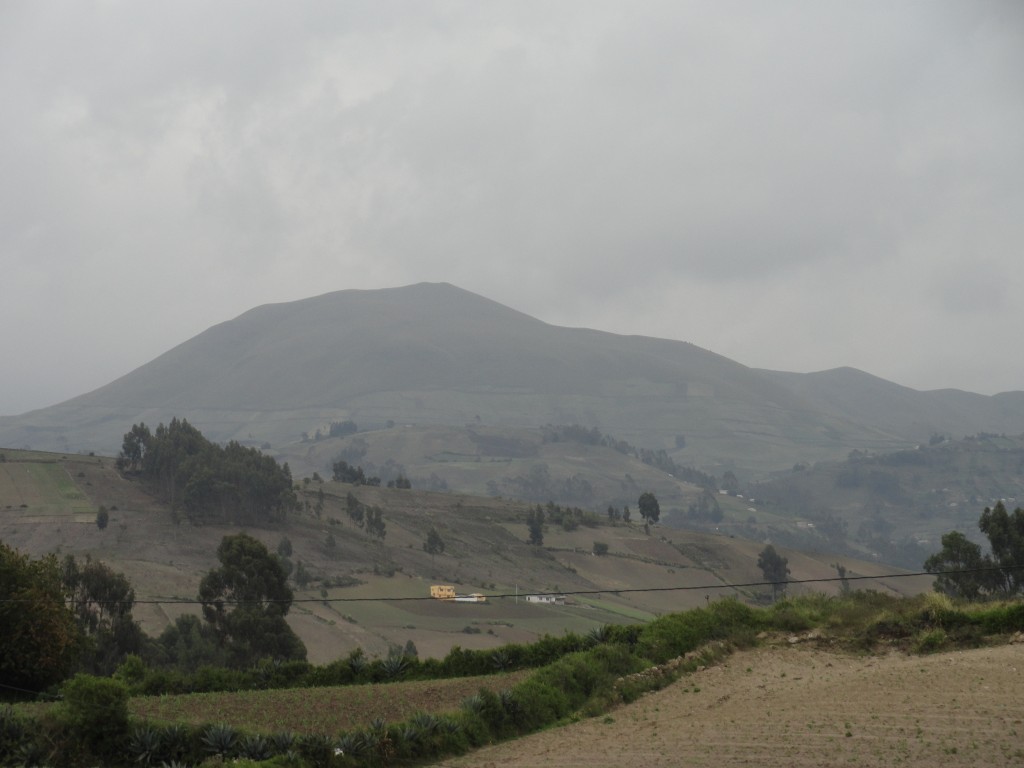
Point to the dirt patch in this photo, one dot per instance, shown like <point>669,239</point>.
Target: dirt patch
<point>801,706</point>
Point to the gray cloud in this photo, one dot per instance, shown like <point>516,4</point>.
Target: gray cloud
<point>795,185</point>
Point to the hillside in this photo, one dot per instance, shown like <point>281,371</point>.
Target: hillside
<point>436,355</point>
<point>48,503</point>
<point>896,506</point>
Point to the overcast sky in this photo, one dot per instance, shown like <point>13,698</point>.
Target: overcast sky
<point>794,185</point>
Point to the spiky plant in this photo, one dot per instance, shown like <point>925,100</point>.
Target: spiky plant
<point>394,666</point>
<point>174,740</point>
<point>473,704</point>
<point>283,742</point>
<point>144,744</point>
<point>254,747</point>
<point>501,660</point>
<point>354,744</point>
<point>219,739</point>
<point>426,722</point>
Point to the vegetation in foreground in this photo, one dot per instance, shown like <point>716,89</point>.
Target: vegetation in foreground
<point>94,721</point>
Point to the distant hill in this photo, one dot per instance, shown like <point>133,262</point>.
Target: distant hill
<point>896,506</point>
<point>433,354</point>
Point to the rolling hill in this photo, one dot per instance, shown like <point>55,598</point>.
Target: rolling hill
<point>48,503</point>
<point>433,354</point>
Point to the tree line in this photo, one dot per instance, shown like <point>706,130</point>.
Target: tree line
<point>61,617</point>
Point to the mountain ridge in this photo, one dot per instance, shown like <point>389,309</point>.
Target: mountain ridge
<point>433,353</point>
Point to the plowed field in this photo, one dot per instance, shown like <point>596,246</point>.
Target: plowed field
<point>802,706</point>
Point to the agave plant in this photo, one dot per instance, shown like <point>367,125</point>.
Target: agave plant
<point>144,744</point>
<point>426,722</point>
<point>501,659</point>
<point>219,739</point>
<point>394,666</point>
<point>599,635</point>
<point>174,739</point>
<point>283,742</point>
<point>509,703</point>
<point>354,744</point>
<point>254,747</point>
<point>473,704</point>
<point>451,727</point>
<point>357,661</point>
<point>316,748</point>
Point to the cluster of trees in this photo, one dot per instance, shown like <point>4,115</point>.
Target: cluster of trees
<point>63,617</point>
<point>369,517</point>
<point>658,458</point>
<point>705,509</point>
<point>210,482</point>
<point>964,572</point>
<point>347,473</point>
<point>538,484</point>
<point>571,518</point>
<point>335,429</point>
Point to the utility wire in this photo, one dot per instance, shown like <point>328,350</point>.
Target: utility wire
<point>607,590</point>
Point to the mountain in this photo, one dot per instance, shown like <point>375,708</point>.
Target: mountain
<point>433,354</point>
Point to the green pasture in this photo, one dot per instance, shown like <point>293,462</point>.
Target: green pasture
<point>40,485</point>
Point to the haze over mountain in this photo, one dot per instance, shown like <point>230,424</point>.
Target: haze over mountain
<point>435,354</point>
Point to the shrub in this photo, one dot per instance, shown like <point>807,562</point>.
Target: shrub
<point>930,641</point>
<point>95,713</point>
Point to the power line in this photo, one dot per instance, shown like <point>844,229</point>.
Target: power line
<point>582,592</point>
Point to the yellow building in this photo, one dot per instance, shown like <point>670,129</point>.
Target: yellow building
<point>442,591</point>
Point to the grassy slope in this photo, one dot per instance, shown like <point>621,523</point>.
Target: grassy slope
<point>48,502</point>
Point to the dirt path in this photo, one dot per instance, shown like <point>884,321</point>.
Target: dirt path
<point>798,706</point>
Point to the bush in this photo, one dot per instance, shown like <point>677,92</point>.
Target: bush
<point>95,714</point>
<point>931,641</point>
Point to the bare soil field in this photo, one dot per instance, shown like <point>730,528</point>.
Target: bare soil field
<point>803,706</point>
<point>320,710</point>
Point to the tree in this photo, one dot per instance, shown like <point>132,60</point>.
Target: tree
<point>136,443</point>
<point>102,518</point>
<point>41,646</point>
<point>964,572</point>
<point>434,544</point>
<point>284,547</point>
<point>1005,534</point>
<point>958,567</point>
<point>252,583</point>
<point>775,569</point>
<point>649,508</point>
<point>189,643</point>
<point>375,525</point>
<point>102,602</point>
<point>535,525</point>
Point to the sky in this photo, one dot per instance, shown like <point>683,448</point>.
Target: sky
<point>797,185</point>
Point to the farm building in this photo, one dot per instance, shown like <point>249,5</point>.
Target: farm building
<point>546,599</point>
<point>447,592</point>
